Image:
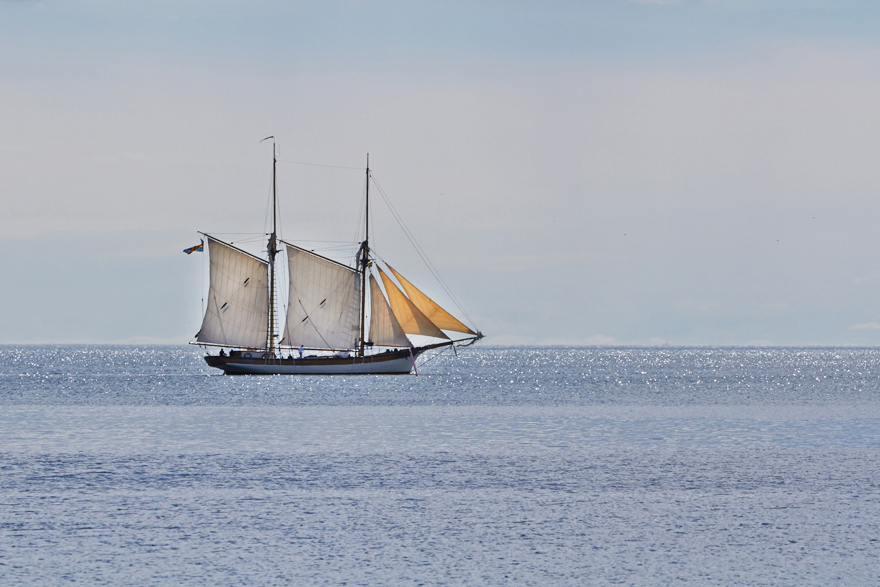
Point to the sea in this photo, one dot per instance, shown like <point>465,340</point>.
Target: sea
<point>140,465</point>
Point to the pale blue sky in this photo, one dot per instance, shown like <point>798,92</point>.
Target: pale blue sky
<point>607,172</point>
<point>296,33</point>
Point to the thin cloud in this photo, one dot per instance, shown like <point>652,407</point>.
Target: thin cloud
<point>865,326</point>
<point>670,2</point>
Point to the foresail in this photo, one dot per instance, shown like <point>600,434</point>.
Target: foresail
<point>412,320</point>
<point>323,302</point>
<point>430,308</point>
<point>385,330</point>
<point>237,313</point>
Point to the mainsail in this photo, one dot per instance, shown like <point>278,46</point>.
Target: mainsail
<point>385,330</point>
<point>238,299</point>
<point>323,302</point>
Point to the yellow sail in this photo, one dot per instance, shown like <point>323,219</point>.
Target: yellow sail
<point>411,319</point>
<point>429,307</point>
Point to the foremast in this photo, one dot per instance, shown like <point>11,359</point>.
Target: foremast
<point>272,249</point>
<point>364,263</point>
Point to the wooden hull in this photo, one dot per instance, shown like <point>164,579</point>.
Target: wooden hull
<point>392,363</point>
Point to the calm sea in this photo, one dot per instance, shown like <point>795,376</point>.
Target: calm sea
<point>502,466</point>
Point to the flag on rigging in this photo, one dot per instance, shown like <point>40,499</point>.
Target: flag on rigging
<point>196,249</point>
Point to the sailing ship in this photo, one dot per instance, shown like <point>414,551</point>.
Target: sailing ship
<point>327,329</point>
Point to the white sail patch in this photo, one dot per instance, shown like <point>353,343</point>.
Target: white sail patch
<point>385,330</point>
<point>323,308</point>
<point>237,314</point>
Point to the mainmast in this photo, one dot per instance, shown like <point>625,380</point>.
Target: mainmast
<point>365,260</point>
<point>272,249</point>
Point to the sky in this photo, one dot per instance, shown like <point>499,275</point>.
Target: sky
<point>612,172</point>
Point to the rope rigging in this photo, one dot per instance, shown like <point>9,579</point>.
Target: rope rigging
<point>418,248</point>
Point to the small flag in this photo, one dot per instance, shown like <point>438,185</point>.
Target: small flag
<point>196,249</point>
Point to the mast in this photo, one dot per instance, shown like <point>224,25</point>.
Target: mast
<point>364,261</point>
<point>272,249</point>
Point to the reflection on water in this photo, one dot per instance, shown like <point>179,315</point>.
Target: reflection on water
<point>123,465</point>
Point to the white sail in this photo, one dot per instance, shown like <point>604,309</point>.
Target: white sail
<point>238,299</point>
<point>323,302</point>
<point>385,330</point>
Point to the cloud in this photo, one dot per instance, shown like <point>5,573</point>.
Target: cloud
<point>595,340</point>
<point>865,326</point>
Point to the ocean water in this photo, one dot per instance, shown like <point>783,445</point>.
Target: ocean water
<point>499,466</point>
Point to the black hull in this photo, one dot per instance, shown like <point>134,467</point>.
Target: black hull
<point>400,362</point>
